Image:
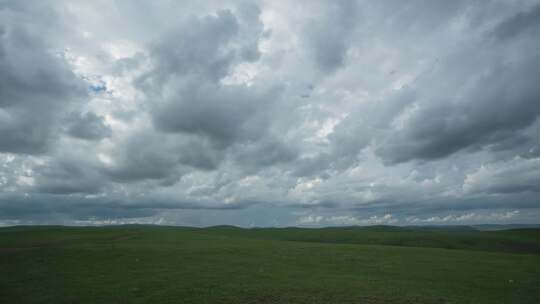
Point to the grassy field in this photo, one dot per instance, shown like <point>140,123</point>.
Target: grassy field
<point>373,265</point>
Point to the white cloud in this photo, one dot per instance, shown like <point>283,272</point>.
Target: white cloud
<point>467,218</point>
<point>347,220</point>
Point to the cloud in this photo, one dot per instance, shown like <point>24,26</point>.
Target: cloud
<point>466,218</point>
<point>269,113</point>
<point>224,114</point>
<point>36,86</point>
<point>46,206</point>
<point>518,175</point>
<point>143,155</point>
<point>328,34</point>
<point>200,47</point>
<point>522,22</point>
<point>254,156</point>
<point>186,80</point>
<point>485,108</point>
<point>347,220</point>
<point>67,177</point>
<point>88,126</point>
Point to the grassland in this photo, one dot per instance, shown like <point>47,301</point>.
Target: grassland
<point>373,265</point>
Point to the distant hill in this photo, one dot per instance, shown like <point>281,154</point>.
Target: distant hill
<point>494,227</point>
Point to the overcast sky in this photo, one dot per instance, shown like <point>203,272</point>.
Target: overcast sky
<point>269,113</point>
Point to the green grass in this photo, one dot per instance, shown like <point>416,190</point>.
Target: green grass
<point>519,241</point>
<point>231,265</point>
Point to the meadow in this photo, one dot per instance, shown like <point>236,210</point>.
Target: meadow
<point>371,265</point>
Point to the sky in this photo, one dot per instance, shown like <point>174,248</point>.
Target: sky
<point>269,113</point>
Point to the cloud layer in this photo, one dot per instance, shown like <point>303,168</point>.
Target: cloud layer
<point>269,113</point>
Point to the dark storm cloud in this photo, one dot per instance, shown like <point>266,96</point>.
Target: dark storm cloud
<point>35,85</point>
<point>190,64</point>
<point>425,207</point>
<point>144,156</point>
<point>485,109</point>
<point>526,22</point>
<point>67,177</point>
<point>256,155</point>
<point>45,206</point>
<point>328,34</point>
<point>224,114</point>
<point>149,156</point>
<point>523,144</point>
<point>205,47</point>
<point>88,126</point>
<point>197,48</point>
<point>200,153</point>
